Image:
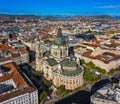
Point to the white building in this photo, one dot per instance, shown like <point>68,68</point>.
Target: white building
<point>107,95</point>
<point>14,89</point>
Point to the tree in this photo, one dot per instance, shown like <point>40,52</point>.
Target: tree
<point>61,90</point>
<point>43,95</point>
<point>82,61</point>
<point>100,70</point>
<point>111,32</point>
<point>111,71</point>
<point>46,83</point>
<point>58,92</point>
<point>90,65</point>
<point>114,80</point>
<point>37,74</point>
<point>65,92</point>
<point>88,76</point>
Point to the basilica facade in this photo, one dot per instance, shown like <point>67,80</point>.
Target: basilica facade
<point>57,65</point>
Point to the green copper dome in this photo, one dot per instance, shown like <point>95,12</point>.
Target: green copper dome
<point>59,40</point>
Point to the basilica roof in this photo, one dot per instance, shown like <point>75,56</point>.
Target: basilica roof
<point>68,63</point>
<point>69,67</point>
<point>72,73</point>
<point>52,61</point>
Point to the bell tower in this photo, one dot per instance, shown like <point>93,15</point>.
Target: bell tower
<point>38,56</point>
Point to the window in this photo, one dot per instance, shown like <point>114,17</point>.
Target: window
<point>55,53</point>
<point>47,67</point>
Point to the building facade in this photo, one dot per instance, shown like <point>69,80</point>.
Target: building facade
<point>58,66</point>
<point>14,87</point>
<point>109,94</point>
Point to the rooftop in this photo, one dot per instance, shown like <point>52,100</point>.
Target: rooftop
<point>106,57</point>
<point>69,63</point>
<point>72,73</point>
<point>107,93</point>
<point>51,61</point>
<point>15,92</point>
<point>22,84</point>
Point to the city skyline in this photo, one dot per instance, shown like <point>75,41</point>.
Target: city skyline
<point>59,52</point>
<point>61,7</point>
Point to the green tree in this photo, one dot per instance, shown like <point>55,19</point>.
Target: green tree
<point>46,83</point>
<point>60,90</point>
<point>90,65</point>
<point>38,74</point>
<point>82,61</point>
<point>43,95</point>
<point>111,71</point>
<point>65,92</point>
<point>100,70</point>
<point>111,32</point>
<point>88,76</point>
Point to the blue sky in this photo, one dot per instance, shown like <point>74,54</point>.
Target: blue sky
<point>61,7</point>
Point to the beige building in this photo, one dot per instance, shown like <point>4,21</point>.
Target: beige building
<point>58,66</point>
<point>19,55</point>
<point>105,55</point>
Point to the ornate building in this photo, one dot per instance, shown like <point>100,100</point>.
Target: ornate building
<point>58,66</point>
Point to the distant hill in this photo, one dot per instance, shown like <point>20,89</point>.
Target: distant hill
<point>117,17</point>
<point>13,17</point>
<point>53,17</point>
<point>103,16</point>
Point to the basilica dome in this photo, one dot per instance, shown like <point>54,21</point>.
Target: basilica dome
<point>59,40</point>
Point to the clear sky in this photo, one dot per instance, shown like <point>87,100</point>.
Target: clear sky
<point>61,7</point>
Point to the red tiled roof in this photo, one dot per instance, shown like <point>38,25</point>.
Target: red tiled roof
<point>15,55</point>
<point>14,74</point>
<point>23,51</point>
<point>91,45</point>
<point>5,59</point>
<point>4,47</point>
<point>21,86</point>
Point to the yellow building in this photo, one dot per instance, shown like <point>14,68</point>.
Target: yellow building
<point>58,66</point>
